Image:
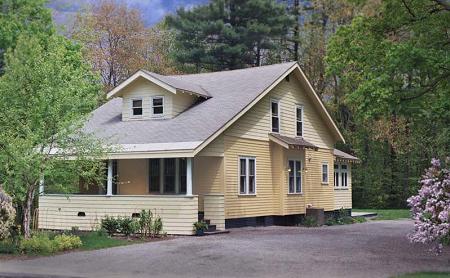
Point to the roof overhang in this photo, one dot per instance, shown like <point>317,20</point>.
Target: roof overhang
<point>341,156</point>
<point>296,143</point>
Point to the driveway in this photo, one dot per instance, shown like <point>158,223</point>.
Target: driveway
<point>372,249</point>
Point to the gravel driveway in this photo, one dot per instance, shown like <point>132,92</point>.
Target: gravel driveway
<point>372,249</point>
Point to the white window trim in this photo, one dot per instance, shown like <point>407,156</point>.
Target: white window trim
<point>295,178</point>
<point>328,173</point>
<point>246,175</point>
<point>303,121</point>
<point>132,110</point>
<point>341,181</point>
<point>277,101</point>
<point>163,106</point>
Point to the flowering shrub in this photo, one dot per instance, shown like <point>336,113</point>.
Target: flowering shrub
<point>431,208</point>
<point>7,214</point>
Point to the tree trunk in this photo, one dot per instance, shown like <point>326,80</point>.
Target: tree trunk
<point>296,29</point>
<point>26,213</point>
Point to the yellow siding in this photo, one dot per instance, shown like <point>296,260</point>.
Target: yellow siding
<point>278,169</point>
<point>343,197</point>
<point>242,205</point>
<point>60,212</point>
<point>132,176</point>
<point>318,194</point>
<point>215,210</point>
<point>142,88</point>
<point>215,148</point>
<point>208,177</point>
<point>256,123</point>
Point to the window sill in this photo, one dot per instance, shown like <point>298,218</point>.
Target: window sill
<point>247,195</point>
<point>325,183</point>
<point>295,194</point>
<point>341,188</point>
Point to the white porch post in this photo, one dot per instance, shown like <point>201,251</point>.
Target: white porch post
<point>189,176</point>
<point>41,185</point>
<point>110,178</point>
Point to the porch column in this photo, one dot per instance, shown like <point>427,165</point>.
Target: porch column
<point>41,186</point>
<point>189,176</point>
<point>109,180</point>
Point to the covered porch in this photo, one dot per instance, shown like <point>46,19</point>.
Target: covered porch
<point>175,188</point>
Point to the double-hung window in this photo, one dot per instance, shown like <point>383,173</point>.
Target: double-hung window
<point>295,176</point>
<point>157,106</point>
<point>324,173</point>
<point>275,115</point>
<point>299,118</point>
<point>340,175</point>
<point>136,107</point>
<point>247,175</point>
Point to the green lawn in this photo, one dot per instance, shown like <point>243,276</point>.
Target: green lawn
<point>387,214</point>
<point>425,275</point>
<point>92,241</point>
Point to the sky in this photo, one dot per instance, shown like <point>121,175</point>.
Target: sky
<point>152,10</point>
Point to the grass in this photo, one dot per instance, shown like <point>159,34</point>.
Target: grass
<point>93,240</point>
<point>425,275</point>
<point>387,214</point>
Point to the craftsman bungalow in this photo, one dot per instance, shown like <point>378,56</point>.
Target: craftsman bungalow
<point>242,147</point>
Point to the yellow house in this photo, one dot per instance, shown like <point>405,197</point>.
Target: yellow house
<point>243,147</point>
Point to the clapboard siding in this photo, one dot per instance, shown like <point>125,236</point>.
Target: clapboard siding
<point>214,209</point>
<point>256,123</point>
<point>178,213</point>
<point>208,177</point>
<point>343,197</point>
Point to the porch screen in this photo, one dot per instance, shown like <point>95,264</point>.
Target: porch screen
<point>154,175</point>
<point>169,175</point>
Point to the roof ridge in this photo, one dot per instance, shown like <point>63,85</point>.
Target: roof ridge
<point>233,70</point>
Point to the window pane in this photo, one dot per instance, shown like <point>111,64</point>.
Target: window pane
<point>298,176</point>
<point>344,179</point>
<point>137,111</point>
<point>158,110</point>
<point>242,165</point>
<point>169,175</point>
<point>291,176</point>
<point>137,103</point>
<point>275,109</point>
<point>183,167</point>
<point>299,128</point>
<point>275,124</point>
<point>251,184</point>
<point>157,101</point>
<point>336,178</point>
<point>154,175</point>
<point>251,167</point>
<point>242,184</point>
<point>324,173</point>
<point>299,114</point>
<point>344,167</point>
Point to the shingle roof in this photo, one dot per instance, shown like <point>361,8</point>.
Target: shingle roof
<point>230,92</point>
<point>294,141</point>
<point>345,156</point>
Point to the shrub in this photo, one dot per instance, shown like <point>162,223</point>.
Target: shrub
<point>7,214</point>
<point>127,225</point>
<point>330,222</point>
<point>145,222</point>
<point>37,244</point>
<point>310,221</point>
<point>101,232</point>
<point>8,247</point>
<point>200,226</point>
<point>157,226</point>
<point>66,242</point>
<point>431,207</point>
<point>110,224</point>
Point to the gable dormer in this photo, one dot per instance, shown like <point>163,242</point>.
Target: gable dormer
<point>150,96</point>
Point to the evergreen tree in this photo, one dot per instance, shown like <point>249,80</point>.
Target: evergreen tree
<point>228,34</point>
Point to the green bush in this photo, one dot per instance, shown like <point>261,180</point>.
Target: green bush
<point>8,247</point>
<point>37,244</point>
<point>110,224</point>
<point>200,226</point>
<point>101,232</point>
<point>66,242</point>
<point>330,222</point>
<point>310,221</point>
<point>127,225</point>
<point>157,226</point>
<point>7,215</point>
<point>145,222</point>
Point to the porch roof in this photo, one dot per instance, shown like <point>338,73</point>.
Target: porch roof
<point>291,142</point>
<point>340,155</point>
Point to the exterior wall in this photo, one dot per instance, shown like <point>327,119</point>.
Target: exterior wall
<point>142,88</point>
<point>214,209</point>
<point>343,196</point>
<point>319,195</point>
<point>256,123</point>
<point>132,176</point>
<point>60,212</point>
<point>208,177</point>
<point>262,203</point>
<point>293,203</point>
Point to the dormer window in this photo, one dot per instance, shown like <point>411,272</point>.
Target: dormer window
<point>157,106</point>
<point>136,107</point>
